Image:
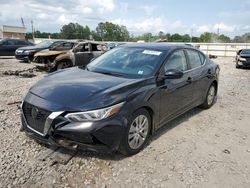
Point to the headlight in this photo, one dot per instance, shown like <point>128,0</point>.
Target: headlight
<point>19,51</point>
<point>29,51</point>
<point>242,59</point>
<point>94,115</point>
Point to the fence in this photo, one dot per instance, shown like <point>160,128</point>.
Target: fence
<point>218,49</point>
<point>221,49</point>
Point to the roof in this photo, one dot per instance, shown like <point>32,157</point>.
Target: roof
<point>157,46</point>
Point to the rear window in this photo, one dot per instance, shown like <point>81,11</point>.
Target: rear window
<point>196,58</point>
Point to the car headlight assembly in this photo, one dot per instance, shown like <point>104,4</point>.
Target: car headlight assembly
<point>242,59</point>
<point>28,51</point>
<point>94,115</point>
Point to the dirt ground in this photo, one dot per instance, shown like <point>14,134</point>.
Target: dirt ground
<point>202,148</point>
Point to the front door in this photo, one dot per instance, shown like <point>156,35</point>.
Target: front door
<point>176,94</point>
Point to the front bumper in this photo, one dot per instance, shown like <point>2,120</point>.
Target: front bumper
<point>23,57</point>
<point>40,64</point>
<point>104,135</point>
<point>244,63</point>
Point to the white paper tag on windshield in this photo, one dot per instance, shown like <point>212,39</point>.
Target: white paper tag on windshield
<point>151,52</point>
<point>140,72</point>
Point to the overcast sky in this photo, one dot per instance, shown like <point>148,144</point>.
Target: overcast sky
<point>232,17</point>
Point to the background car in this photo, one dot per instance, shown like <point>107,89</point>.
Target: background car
<point>243,58</point>
<point>121,98</point>
<point>27,53</point>
<point>80,55</point>
<point>9,46</point>
<point>46,58</point>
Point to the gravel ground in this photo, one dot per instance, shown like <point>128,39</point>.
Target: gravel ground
<point>202,148</point>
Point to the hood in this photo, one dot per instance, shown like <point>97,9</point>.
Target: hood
<point>31,48</point>
<point>76,89</point>
<point>48,52</point>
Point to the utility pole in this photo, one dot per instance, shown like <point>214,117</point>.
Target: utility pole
<point>32,29</point>
<point>218,31</point>
<point>22,22</point>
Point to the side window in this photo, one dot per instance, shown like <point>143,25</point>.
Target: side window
<point>20,42</point>
<point>68,45</point>
<point>195,59</point>
<point>202,57</point>
<point>11,43</point>
<point>176,61</point>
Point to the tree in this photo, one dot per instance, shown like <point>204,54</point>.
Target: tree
<point>112,32</point>
<point>176,38</point>
<point>224,38</point>
<point>161,35</point>
<point>75,31</point>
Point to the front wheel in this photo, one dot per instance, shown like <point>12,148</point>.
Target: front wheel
<point>210,97</point>
<point>63,65</point>
<point>137,133</point>
<point>237,66</point>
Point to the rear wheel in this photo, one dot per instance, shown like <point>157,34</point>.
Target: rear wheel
<point>210,97</point>
<point>137,133</point>
<point>63,65</point>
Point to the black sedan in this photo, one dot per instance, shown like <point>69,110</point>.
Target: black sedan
<point>121,98</point>
<point>27,53</point>
<point>243,58</point>
<point>9,46</point>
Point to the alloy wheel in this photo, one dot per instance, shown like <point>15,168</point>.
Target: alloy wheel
<point>211,95</point>
<point>138,131</point>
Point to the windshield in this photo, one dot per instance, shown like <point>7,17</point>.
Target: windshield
<point>127,61</point>
<point>246,51</point>
<point>44,44</point>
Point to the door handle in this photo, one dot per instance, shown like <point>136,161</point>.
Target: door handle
<point>189,80</point>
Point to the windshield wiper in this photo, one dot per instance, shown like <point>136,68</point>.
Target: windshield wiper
<point>111,73</point>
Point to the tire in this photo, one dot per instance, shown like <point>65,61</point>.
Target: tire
<point>237,66</point>
<point>210,97</point>
<point>63,64</point>
<point>136,136</point>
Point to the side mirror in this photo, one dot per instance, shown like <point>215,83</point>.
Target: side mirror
<point>173,74</point>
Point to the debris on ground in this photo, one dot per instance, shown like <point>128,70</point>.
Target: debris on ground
<point>226,151</point>
<point>14,102</point>
<point>212,56</point>
<point>29,73</point>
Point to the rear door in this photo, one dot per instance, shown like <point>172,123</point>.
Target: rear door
<point>198,73</point>
<point>96,50</point>
<point>83,55</point>
<point>176,94</point>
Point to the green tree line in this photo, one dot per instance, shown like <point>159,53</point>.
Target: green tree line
<point>107,31</point>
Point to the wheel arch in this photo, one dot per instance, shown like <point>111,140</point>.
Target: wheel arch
<point>152,116</point>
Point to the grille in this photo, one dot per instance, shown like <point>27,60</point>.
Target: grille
<point>35,117</point>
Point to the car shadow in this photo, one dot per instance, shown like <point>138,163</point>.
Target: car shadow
<point>175,122</point>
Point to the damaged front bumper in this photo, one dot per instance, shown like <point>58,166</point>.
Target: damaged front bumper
<point>103,135</point>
